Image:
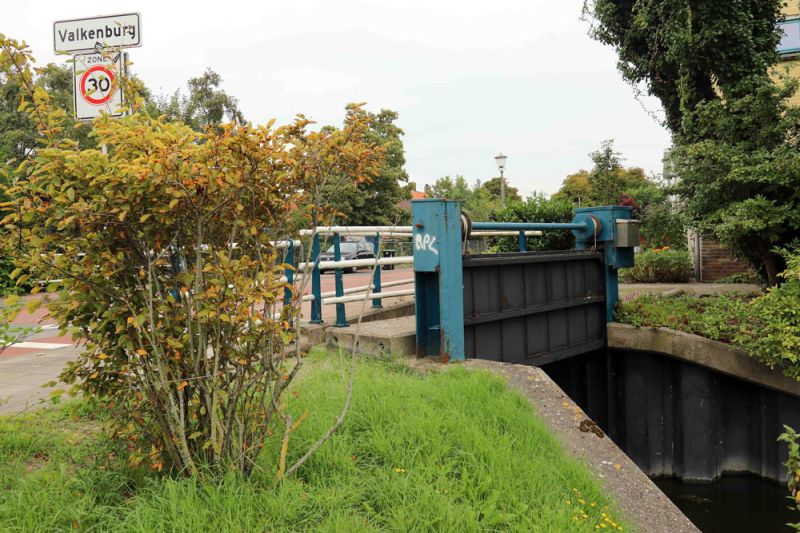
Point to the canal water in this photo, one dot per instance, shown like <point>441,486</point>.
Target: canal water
<point>735,503</point>
<point>678,421</point>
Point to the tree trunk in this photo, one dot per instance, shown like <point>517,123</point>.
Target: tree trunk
<point>770,263</point>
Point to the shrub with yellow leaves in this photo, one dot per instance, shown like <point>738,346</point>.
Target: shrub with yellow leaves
<point>161,245</point>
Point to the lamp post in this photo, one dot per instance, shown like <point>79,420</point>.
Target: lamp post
<point>501,166</point>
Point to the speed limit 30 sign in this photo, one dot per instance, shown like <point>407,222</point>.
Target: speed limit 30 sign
<point>96,86</point>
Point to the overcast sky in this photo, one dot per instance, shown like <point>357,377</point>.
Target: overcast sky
<point>469,79</point>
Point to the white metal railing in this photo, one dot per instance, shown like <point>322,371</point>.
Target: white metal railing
<point>368,296</point>
<point>350,263</point>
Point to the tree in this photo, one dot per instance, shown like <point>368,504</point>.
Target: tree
<point>206,104</point>
<point>17,131</point>
<point>575,188</point>
<point>373,202</point>
<point>741,182</point>
<point>685,53</point>
<point>610,183</point>
<point>492,187</point>
<point>162,248</point>
<point>736,141</point>
<point>452,189</point>
<point>476,200</point>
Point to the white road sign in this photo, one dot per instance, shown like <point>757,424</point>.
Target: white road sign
<point>96,86</point>
<point>94,34</point>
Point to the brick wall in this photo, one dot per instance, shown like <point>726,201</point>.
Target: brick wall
<point>718,262</point>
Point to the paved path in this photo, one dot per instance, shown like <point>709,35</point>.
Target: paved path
<point>23,374</point>
<point>26,366</point>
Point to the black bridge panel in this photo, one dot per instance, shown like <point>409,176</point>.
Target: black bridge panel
<point>533,307</point>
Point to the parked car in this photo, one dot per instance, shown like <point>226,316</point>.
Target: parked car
<point>350,250</point>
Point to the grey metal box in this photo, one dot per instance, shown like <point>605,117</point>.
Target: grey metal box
<point>627,233</point>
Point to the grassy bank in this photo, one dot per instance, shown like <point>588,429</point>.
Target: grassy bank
<point>443,451</point>
<point>767,326</point>
<point>718,317</point>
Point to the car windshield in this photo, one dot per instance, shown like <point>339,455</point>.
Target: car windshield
<point>345,247</point>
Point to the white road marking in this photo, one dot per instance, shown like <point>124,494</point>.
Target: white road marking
<point>41,345</point>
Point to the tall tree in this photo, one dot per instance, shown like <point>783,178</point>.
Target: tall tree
<point>475,200</point>
<point>374,201</point>
<point>685,52</point>
<point>736,139</point>
<point>492,187</point>
<point>205,103</point>
<point>606,182</point>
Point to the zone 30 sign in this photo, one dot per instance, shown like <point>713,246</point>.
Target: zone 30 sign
<point>96,86</point>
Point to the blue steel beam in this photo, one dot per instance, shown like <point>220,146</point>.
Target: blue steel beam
<point>526,226</point>
<point>316,283</point>
<point>376,276</point>
<point>341,318</point>
<point>438,278</point>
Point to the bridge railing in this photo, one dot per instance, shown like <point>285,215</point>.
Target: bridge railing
<point>374,291</point>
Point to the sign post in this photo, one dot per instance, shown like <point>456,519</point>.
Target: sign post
<point>96,84</point>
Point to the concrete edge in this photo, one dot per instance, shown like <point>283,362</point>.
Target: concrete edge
<point>317,334</point>
<point>640,502</point>
<point>701,351</point>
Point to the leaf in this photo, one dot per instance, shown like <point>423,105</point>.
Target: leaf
<point>144,217</point>
<point>71,194</point>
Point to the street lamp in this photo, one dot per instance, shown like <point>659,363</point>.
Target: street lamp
<point>501,166</point>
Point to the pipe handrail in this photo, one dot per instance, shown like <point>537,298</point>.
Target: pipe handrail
<point>525,226</point>
<point>348,263</point>
<point>347,230</point>
<point>368,296</point>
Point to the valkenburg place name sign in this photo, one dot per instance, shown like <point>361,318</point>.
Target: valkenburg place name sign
<point>94,34</point>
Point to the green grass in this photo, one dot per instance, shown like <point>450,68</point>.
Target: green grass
<point>443,451</point>
<point>718,317</point>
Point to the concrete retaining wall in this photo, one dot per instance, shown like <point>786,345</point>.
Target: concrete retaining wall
<point>682,405</point>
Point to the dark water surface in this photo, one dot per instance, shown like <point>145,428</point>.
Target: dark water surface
<point>734,503</point>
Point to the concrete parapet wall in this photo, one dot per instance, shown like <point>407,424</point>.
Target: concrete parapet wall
<point>711,354</point>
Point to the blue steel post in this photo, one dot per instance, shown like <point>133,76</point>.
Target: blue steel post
<point>289,273</point>
<point>376,277</point>
<point>522,244</point>
<point>438,278</point>
<point>341,318</point>
<point>606,238</point>
<point>316,286</point>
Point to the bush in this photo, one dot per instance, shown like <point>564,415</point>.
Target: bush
<point>167,271</point>
<point>659,265</point>
<point>741,277</point>
<point>536,208</point>
<point>767,327</point>
<point>773,336</point>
